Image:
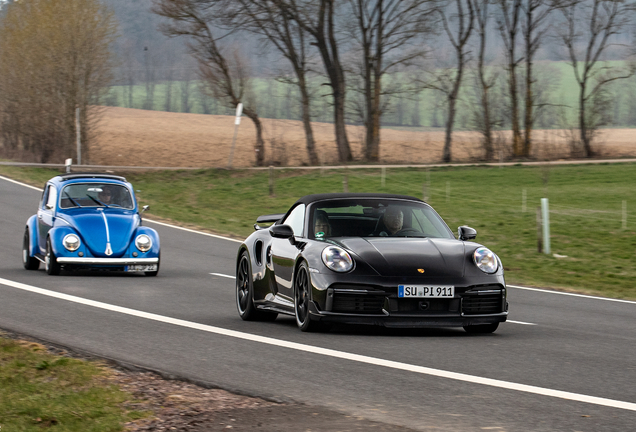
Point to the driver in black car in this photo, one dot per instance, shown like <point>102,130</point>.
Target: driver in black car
<point>393,219</point>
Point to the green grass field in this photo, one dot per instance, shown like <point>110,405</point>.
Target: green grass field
<point>40,391</point>
<point>596,255</point>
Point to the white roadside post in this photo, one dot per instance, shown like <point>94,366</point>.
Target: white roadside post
<point>545,215</point>
<point>237,122</point>
<point>624,215</point>
<point>68,164</point>
<point>79,136</point>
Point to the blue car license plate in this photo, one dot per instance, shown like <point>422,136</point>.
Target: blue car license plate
<point>141,267</point>
<point>425,291</point>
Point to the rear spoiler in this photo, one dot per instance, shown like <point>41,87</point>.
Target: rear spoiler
<point>267,219</point>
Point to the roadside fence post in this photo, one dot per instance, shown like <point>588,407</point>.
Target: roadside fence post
<point>624,214</point>
<point>545,213</point>
<point>383,177</point>
<point>523,200</point>
<point>448,191</point>
<point>271,180</point>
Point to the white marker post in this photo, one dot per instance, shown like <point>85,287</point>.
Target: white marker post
<point>545,215</point>
<point>68,164</point>
<point>237,122</point>
<point>624,215</point>
<point>79,136</point>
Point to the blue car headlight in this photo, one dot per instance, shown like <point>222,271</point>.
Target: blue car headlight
<point>71,242</point>
<point>485,260</point>
<point>143,242</point>
<point>337,259</point>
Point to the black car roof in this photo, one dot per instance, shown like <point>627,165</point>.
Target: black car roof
<point>64,177</point>
<point>307,199</point>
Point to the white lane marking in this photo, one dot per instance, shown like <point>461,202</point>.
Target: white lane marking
<point>20,183</point>
<point>330,352</point>
<point>571,294</point>
<point>520,322</point>
<point>193,231</point>
<point>223,275</point>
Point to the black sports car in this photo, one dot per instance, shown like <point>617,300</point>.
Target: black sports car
<point>376,259</point>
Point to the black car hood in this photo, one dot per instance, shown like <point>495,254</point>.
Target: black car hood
<point>409,256</point>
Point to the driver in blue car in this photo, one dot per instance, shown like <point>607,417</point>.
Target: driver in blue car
<point>393,219</point>
<point>106,195</point>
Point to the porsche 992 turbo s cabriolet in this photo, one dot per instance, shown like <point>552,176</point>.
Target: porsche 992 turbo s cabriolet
<point>90,222</point>
<point>374,259</point>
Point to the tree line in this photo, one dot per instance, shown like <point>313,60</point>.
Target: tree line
<point>366,59</point>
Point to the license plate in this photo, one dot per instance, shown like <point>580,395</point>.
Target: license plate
<point>426,291</point>
<point>141,267</point>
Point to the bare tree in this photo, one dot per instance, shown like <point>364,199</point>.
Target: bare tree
<point>267,18</point>
<point>508,22</point>
<point>55,58</point>
<point>458,26</point>
<point>601,19</point>
<point>224,70</point>
<point>389,34</point>
<point>534,29</point>
<point>318,18</point>
<point>485,81</point>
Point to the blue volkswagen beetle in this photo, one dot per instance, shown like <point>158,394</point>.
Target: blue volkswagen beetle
<point>90,222</point>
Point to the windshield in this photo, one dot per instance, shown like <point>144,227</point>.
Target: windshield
<point>96,195</point>
<point>376,218</point>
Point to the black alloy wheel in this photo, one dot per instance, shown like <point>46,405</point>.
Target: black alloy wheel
<point>29,262</point>
<point>52,266</point>
<point>481,328</point>
<point>245,293</point>
<point>302,297</point>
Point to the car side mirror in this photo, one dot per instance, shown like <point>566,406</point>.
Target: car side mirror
<point>283,232</point>
<point>49,206</point>
<point>466,233</point>
<point>144,208</point>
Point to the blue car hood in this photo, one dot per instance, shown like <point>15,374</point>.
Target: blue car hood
<point>391,256</point>
<point>93,225</point>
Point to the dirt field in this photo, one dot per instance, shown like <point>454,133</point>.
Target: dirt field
<point>135,137</point>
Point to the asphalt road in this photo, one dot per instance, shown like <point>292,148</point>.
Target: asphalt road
<point>562,363</point>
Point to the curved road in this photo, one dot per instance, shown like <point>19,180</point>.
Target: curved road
<point>563,362</point>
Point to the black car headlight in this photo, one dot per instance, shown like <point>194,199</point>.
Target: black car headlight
<point>71,242</point>
<point>485,260</point>
<point>337,259</point>
<point>143,242</point>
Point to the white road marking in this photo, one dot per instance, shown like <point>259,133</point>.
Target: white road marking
<point>571,294</point>
<point>223,275</point>
<point>520,322</point>
<point>20,183</point>
<point>192,231</point>
<point>330,352</point>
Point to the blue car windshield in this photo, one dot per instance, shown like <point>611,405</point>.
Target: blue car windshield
<point>376,218</point>
<point>96,195</point>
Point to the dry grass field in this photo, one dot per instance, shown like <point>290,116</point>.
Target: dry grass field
<point>135,137</point>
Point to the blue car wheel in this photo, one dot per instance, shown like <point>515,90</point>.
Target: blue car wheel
<point>52,266</point>
<point>30,263</point>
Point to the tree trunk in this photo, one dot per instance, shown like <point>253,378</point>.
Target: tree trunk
<point>514,111</point>
<point>585,138</point>
<point>309,133</point>
<point>259,147</point>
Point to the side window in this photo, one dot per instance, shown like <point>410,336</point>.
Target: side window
<point>296,219</point>
<point>45,194</point>
<point>51,198</point>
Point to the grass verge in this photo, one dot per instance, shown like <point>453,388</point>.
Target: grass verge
<point>40,391</point>
<point>592,251</point>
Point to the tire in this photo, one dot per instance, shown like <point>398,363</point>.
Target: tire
<point>154,273</point>
<point>29,262</point>
<point>245,293</point>
<point>481,329</point>
<point>302,298</point>
<point>52,266</point>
